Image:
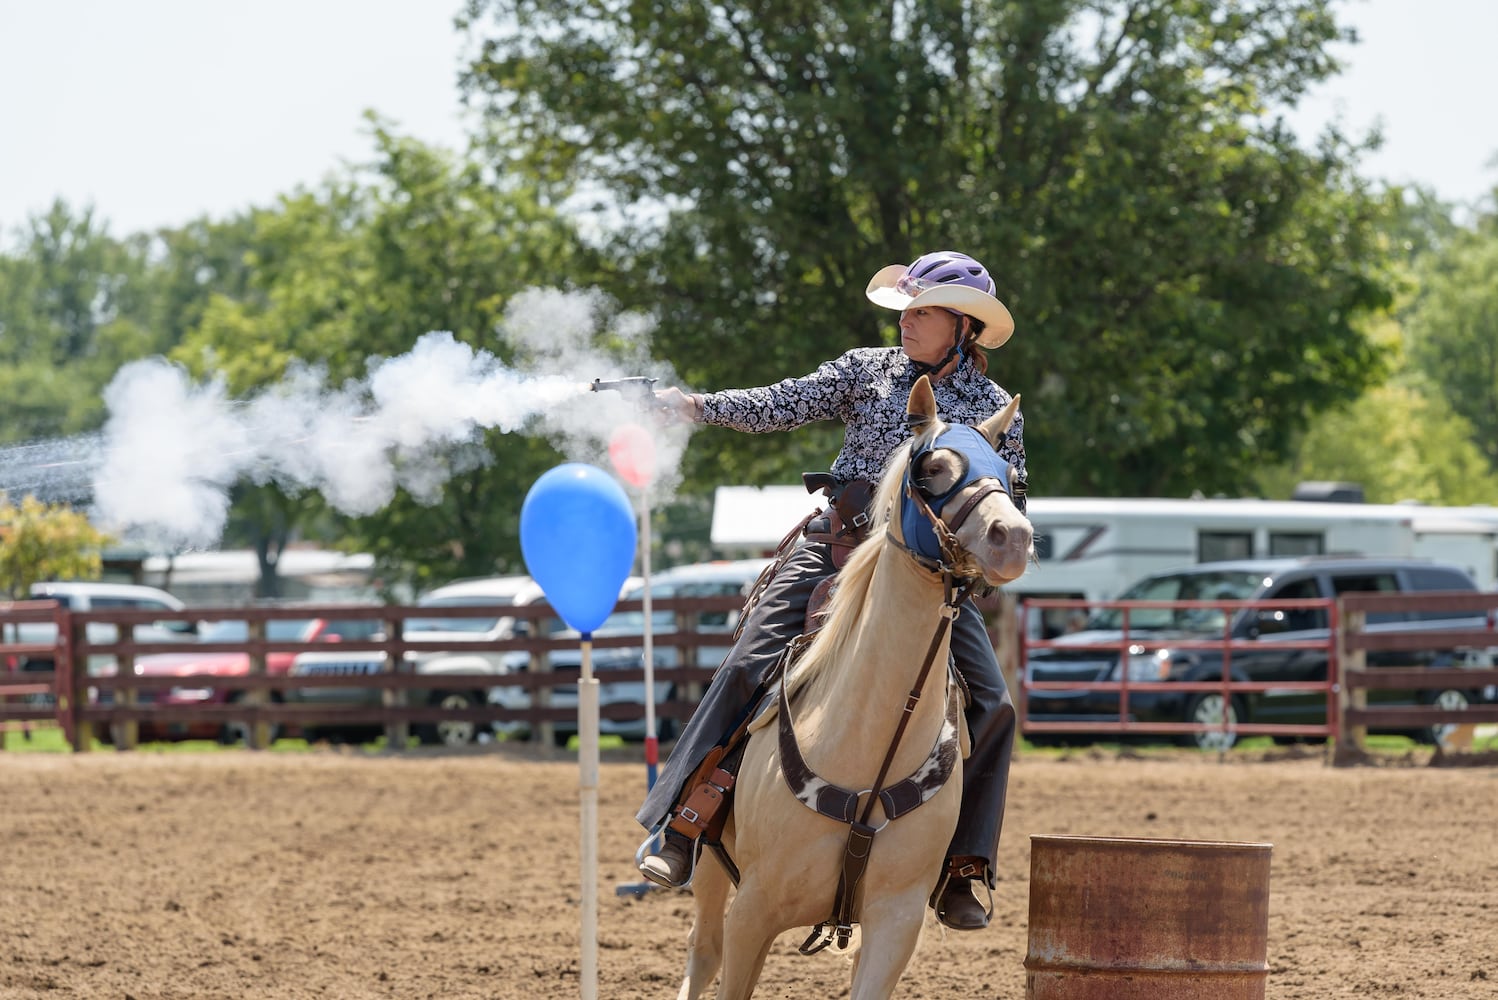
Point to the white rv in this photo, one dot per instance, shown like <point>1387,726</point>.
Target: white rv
<point>1093,548</point>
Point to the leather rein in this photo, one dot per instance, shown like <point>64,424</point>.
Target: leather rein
<point>839,803</point>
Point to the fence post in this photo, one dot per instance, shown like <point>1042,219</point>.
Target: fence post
<point>1350,739</point>
<point>397,734</point>
<point>126,735</point>
<point>257,732</point>
<point>545,731</point>
<point>72,683</point>
<point>1005,633</point>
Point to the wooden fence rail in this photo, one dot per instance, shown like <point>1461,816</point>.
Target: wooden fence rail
<point>82,702</point>
<point>1473,646</point>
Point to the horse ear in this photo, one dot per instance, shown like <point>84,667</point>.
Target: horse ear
<point>996,426</point>
<point>921,409</point>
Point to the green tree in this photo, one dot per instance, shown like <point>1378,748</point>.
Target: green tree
<point>1186,276</point>
<point>1406,439</point>
<point>75,304</point>
<point>42,541</point>
<point>1401,441</point>
<point>1452,330</point>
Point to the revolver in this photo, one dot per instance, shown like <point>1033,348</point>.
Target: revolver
<point>636,388</point>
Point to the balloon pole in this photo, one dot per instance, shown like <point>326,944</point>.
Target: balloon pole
<point>577,533</point>
<point>652,744</point>
<point>587,763</point>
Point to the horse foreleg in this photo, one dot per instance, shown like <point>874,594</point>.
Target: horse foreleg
<point>889,928</point>
<point>751,932</point>
<point>710,888</point>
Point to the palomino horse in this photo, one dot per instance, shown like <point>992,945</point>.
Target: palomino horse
<point>851,685</point>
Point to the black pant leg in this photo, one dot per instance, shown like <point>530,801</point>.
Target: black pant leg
<point>779,617</point>
<point>991,724</point>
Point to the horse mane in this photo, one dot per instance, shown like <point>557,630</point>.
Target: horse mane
<point>841,618</point>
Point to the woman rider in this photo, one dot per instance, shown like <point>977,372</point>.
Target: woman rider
<point>947,312</point>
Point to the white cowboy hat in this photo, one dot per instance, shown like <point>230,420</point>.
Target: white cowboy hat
<point>894,288</point>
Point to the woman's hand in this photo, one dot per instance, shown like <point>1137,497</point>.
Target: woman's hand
<point>685,408</point>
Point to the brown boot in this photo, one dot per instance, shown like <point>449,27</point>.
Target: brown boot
<point>958,908</point>
<point>671,866</point>
<point>954,900</point>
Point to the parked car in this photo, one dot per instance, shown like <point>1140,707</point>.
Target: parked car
<point>501,592</point>
<point>229,665</point>
<point>687,581</point>
<point>709,579</point>
<point>86,595</point>
<point>1151,655</point>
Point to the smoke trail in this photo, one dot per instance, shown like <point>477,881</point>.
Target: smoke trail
<point>171,449</point>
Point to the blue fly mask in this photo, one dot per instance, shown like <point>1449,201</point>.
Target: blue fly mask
<point>925,534</point>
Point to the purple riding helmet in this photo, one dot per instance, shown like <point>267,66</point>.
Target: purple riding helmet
<point>944,267</point>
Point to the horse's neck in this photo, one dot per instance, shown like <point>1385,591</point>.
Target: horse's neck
<point>851,711</point>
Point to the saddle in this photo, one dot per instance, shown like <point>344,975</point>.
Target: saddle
<point>845,523</point>
<point>842,525</point>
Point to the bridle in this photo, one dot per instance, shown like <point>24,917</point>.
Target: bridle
<point>927,538</point>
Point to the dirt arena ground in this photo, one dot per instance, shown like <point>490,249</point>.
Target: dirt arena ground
<point>344,874</point>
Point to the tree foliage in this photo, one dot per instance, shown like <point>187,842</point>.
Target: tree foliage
<point>1452,328</point>
<point>42,541</point>
<point>1185,275</point>
<point>1400,441</point>
<point>75,304</point>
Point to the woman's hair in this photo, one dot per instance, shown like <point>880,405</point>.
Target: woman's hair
<point>975,354</point>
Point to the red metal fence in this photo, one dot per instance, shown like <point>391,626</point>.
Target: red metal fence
<point>1224,683</point>
<point>1348,677</point>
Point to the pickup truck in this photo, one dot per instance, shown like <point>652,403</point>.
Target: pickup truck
<point>1157,650</point>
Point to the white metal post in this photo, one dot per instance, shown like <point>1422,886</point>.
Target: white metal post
<point>587,765</point>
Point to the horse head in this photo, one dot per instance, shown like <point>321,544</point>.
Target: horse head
<point>957,507</point>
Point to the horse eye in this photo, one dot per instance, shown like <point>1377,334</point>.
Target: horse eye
<point>939,471</point>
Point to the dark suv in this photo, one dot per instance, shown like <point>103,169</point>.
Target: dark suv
<point>1160,644</point>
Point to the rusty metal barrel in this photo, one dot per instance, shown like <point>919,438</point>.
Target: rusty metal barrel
<point>1115,918</point>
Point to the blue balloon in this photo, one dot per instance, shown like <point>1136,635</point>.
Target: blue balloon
<point>577,533</point>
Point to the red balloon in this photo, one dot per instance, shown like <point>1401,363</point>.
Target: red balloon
<point>632,450</point>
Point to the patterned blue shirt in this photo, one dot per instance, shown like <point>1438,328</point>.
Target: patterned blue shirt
<point>867,389</point>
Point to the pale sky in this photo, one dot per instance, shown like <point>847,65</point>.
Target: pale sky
<point>158,111</point>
